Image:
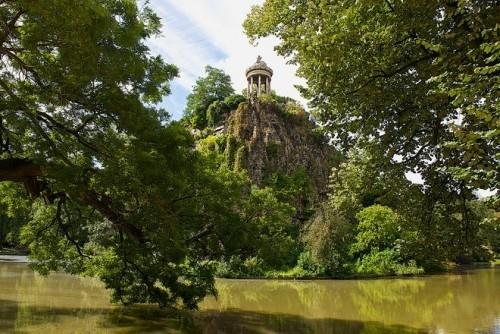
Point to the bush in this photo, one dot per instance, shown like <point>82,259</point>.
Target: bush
<point>232,102</point>
<point>378,229</point>
<point>236,267</point>
<point>309,265</point>
<point>241,158</point>
<point>386,262</point>
<point>215,113</point>
<point>254,267</point>
<point>329,237</point>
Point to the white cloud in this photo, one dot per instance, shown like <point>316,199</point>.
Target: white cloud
<point>209,32</point>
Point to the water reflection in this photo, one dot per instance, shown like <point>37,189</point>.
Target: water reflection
<point>466,303</point>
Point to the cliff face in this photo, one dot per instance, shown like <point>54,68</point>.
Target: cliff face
<point>269,137</point>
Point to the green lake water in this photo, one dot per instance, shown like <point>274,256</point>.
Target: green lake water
<point>465,302</point>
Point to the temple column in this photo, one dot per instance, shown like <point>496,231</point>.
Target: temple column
<point>259,87</point>
<point>251,85</point>
<point>268,89</point>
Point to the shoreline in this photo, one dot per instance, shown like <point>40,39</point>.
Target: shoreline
<point>22,258</point>
<point>7,258</point>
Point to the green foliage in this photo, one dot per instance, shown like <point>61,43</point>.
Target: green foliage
<point>359,181</point>
<point>296,113</point>
<point>241,158</point>
<point>14,213</point>
<point>262,237</point>
<point>214,113</point>
<point>328,237</point>
<point>233,101</point>
<point>490,228</point>
<point>215,86</point>
<point>290,109</point>
<point>378,244</point>
<point>385,262</point>
<point>306,267</point>
<point>373,208</point>
<point>309,266</point>
<point>289,187</point>
<point>418,80</point>
<point>236,267</point>
<point>378,228</point>
<point>113,188</point>
<point>232,146</point>
<point>463,226</point>
<point>270,223</point>
<point>218,109</point>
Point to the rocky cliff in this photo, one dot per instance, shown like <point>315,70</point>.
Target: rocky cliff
<point>269,137</point>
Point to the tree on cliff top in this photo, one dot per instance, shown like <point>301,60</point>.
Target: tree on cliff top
<point>115,192</point>
<point>214,86</point>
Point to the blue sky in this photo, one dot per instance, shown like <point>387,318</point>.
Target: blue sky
<point>197,33</point>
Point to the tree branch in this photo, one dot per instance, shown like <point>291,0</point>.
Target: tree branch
<point>391,73</point>
<point>27,172</point>
<point>18,169</point>
<point>208,229</point>
<point>10,26</point>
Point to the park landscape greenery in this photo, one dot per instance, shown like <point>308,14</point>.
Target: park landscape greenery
<point>96,180</point>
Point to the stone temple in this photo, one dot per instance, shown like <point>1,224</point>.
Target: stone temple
<point>258,78</point>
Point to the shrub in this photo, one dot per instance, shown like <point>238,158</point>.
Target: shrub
<point>378,229</point>
<point>232,102</point>
<point>240,159</point>
<point>329,237</point>
<point>386,262</point>
<point>236,267</point>
<point>309,265</point>
<point>254,267</point>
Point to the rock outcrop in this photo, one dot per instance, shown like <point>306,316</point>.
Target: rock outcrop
<point>267,137</point>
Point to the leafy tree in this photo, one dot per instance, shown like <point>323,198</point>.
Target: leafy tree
<point>437,222</point>
<point>115,190</point>
<point>265,237</point>
<point>294,188</point>
<point>378,229</point>
<point>14,213</point>
<point>489,226</point>
<point>262,230</point>
<point>378,243</point>
<point>419,79</point>
<point>214,86</point>
<point>233,101</point>
<point>328,237</point>
<point>270,229</point>
<point>214,113</point>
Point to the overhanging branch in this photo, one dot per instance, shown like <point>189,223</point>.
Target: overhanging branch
<point>32,174</point>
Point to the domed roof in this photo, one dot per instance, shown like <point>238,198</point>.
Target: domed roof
<point>259,65</point>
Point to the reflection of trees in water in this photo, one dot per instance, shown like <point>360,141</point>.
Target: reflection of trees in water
<point>398,301</point>
<point>447,302</point>
<point>442,302</point>
<point>273,296</point>
<point>236,321</point>
<point>32,296</point>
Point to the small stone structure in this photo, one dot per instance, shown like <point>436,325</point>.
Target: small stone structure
<point>259,78</point>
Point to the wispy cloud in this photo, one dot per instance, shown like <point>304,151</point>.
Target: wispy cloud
<point>197,33</point>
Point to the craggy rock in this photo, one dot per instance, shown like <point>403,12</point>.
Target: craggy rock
<point>265,137</point>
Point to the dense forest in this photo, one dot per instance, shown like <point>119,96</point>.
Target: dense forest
<point>96,180</point>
